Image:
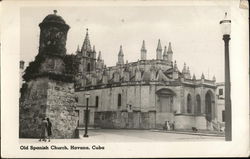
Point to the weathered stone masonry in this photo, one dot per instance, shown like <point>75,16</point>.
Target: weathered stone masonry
<point>49,88</point>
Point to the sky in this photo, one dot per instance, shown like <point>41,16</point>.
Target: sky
<point>193,31</point>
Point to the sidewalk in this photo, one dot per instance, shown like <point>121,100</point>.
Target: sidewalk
<point>189,132</point>
<point>128,135</point>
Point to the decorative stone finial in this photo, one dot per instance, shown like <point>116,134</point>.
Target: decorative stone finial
<point>143,45</point>
<point>159,45</point>
<point>194,78</point>
<point>214,78</point>
<point>55,11</point>
<point>184,68</point>
<point>169,48</point>
<point>202,76</point>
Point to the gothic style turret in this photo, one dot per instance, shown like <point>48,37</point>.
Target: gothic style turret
<point>194,78</point>
<point>100,62</point>
<point>202,76</point>
<point>184,70</point>
<point>214,79</point>
<point>165,55</point>
<point>87,56</point>
<point>94,52</point>
<point>170,52</point>
<point>120,57</point>
<point>188,74</point>
<point>159,51</point>
<point>175,71</point>
<point>143,51</point>
<point>86,47</point>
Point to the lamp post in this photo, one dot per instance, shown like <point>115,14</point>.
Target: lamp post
<point>87,95</point>
<point>226,30</point>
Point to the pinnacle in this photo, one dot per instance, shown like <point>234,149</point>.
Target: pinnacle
<point>86,44</point>
<point>143,45</point>
<point>99,55</point>
<point>159,45</point>
<point>165,50</point>
<point>121,51</point>
<point>169,48</point>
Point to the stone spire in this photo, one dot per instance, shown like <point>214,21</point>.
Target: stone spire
<point>214,79</point>
<point>159,51</point>
<point>143,51</point>
<point>165,55</point>
<point>184,70</point>
<point>202,76</point>
<point>93,48</point>
<point>86,44</point>
<point>120,57</point>
<point>170,52</point>
<point>194,78</point>
<point>175,71</point>
<point>188,74</point>
<point>188,71</point>
<point>99,56</point>
<point>175,66</point>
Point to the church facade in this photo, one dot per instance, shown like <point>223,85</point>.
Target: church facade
<point>144,94</point>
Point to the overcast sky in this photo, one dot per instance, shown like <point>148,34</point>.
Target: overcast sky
<point>193,31</point>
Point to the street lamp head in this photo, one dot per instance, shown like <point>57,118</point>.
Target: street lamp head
<point>87,95</point>
<point>225,25</point>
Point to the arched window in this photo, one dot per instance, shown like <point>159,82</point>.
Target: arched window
<point>189,104</point>
<point>88,67</point>
<point>208,106</point>
<point>96,101</point>
<point>198,103</point>
<point>119,102</point>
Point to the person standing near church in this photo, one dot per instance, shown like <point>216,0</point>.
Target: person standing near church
<point>49,129</point>
<point>44,126</point>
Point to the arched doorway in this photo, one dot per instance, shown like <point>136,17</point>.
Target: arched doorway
<point>209,100</point>
<point>166,100</point>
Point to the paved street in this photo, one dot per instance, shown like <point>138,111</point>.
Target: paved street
<point>111,135</point>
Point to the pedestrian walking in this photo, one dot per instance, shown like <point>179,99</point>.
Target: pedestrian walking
<point>49,127</point>
<point>44,126</point>
<point>173,125</point>
<point>168,125</point>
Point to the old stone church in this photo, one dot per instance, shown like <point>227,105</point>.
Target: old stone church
<point>143,94</point>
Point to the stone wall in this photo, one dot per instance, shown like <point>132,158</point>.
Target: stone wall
<point>48,98</point>
<point>61,109</point>
<point>125,120</point>
<point>32,108</point>
<point>201,122</point>
<point>184,121</point>
<point>161,118</point>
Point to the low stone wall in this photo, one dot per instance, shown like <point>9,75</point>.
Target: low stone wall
<point>125,120</point>
<point>162,117</point>
<point>184,121</point>
<point>201,122</point>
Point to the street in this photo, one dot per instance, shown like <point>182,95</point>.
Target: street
<point>117,135</point>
